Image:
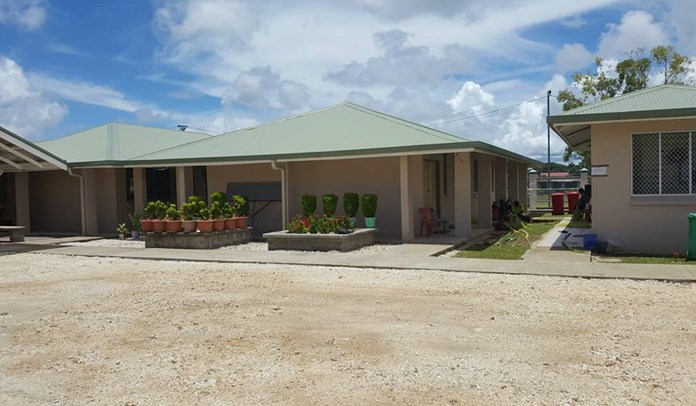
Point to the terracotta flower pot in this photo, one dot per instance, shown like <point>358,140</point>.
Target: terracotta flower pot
<point>189,226</point>
<point>205,226</point>
<point>230,224</point>
<point>241,222</point>
<point>173,226</point>
<point>159,226</point>
<point>146,225</point>
<point>219,225</point>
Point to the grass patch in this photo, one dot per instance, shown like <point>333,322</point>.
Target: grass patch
<point>646,259</point>
<point>579,224</point>
<point>506,246</point>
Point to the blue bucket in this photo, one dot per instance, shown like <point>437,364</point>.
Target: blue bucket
<point>589,241</point>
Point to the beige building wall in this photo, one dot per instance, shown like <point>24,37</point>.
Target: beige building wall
<point>369,175</point>
<point>54,202</point>
<point>638,223</point>
<point>270,218</point>
<point>112,206</point>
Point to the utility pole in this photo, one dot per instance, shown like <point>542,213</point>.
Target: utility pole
<point>548,144</point>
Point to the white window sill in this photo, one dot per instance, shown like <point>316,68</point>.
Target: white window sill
<point>669,200</point>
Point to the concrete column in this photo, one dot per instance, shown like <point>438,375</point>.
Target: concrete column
<point>91,216</point>
<point>462,194</point>
<point>139,190</point>
<point>184,184</point>
<point>522,194</point>
<point>415,188</point>
<point>407,233</point>
<point>22,213</point>
<point>584,178</point>
<point>485,201</point>
<point>533,189</point>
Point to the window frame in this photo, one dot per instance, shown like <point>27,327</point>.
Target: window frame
<point>692,178</point>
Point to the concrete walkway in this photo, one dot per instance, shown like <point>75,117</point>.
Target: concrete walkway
<point>403,256</point>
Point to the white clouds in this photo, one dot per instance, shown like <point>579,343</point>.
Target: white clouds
<point>85,92</point>
<point>23,109</point>
<point>572,57</point>
<point>25,14</point>
<point>637,29</point>
<point>261,88</point>
<point>471,98</point>
<point>682,17</point>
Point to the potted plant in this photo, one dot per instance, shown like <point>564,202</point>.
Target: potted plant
<point>228,214</point>
<point>189,212</point>
<point>240,206</point>
<point>351,203</point>
<point>204,223</point>
<point>173,219</point>
<point>122,230</point>
<point>159,222</point>
<point>309,204</point>
<point>368,203</point>
<point>146,222</point>
<point>216,215</point>
<point>135,223</point>
<point>329,202</point>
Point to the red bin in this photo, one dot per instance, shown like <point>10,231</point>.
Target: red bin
<point>573,198</point>
<point>557,203</point>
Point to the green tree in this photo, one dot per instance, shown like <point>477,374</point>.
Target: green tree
<point>674,65</point>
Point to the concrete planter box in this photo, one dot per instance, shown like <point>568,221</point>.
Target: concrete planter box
<point>282,240</point>
<point>208,241</point>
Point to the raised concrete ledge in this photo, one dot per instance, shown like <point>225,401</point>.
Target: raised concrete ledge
<point>212,240</point>
<point>283,240</point>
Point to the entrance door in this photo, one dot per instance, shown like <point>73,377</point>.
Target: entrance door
<point>430,184</point>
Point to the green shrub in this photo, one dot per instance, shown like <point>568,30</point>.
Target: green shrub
<point>204,213</point>
<point>323,224</point>
<point>135,221</point>
<point>219,197</point>
<point>329,203</point>
<point>297,225</point>
<point>173,213</point>
<point>189,210</point>
<point>345,222</point>
<point>158,209</point>
<point>240,205</point>
<point>215,210</point>
<point>309,205</point>
<point>368,204</point>
<point>150,210</point>
<point>227,211</point>
<point>351,202</point>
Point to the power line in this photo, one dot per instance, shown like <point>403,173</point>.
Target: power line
<point>486,112</point>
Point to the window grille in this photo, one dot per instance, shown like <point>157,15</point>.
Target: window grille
<point>663,163</point>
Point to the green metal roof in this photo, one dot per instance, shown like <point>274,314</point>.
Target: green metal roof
<point>659,102</point>
<point>343,130</point>
<point>655,102</point>
<point>338,130</point>
<point>116,143</point>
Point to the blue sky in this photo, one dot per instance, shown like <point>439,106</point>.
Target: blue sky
<point>219,65</point>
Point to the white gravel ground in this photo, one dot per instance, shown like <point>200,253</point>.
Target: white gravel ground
<point>76,331</point>
<point>251,246</point>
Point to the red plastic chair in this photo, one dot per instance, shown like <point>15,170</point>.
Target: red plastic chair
<point>426,220</point>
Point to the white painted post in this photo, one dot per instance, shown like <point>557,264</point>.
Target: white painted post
<point>462,194</point>
<point>533,189</point>
<point>407,229</point>
<point>584,177</point>
<point>180,185</point>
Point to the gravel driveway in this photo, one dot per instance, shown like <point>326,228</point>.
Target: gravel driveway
<point>130,332</point>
